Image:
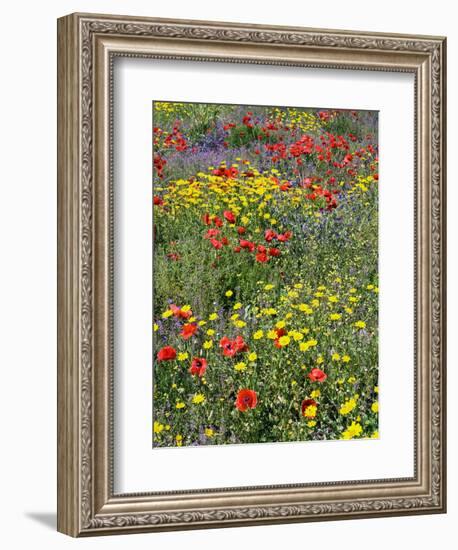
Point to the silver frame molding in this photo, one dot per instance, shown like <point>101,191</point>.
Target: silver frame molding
<point>87,45</point>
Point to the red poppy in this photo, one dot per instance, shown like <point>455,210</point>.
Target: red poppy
<point>174,256</point>
<point>231,347</point>
<point>189,330</point>
<point>211,233</point>
<point>246,399</point>
<point>240,343</point>
<point>166,354</point>
<point>241,230</point>
<point>285,186</point>
<point>261,248</point>
<point>230,216</point>
<point>262,257</point>
<point>237,249</point>
<point>157,200</point>
<point>283,237</point>
<point>281,332</point>
<point>225,241</point>
<point>317,375</point>
<point>247,121</point>
<point>274,252</point>
<point>216,244</point>
<point>198,366</point>
<point>159,164</point>
<point>247,244</point>
<point>206,219</point>
<point>269,235</point>
<point>308,403</point>
<point>179,313</point>
<point>218,221</point>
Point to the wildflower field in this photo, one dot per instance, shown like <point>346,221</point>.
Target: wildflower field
<point>265,283</point>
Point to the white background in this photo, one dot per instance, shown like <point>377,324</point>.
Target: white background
<point>28,274</point>
<point>137,467</point>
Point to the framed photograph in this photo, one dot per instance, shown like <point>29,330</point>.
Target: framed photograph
<point>251,291</point>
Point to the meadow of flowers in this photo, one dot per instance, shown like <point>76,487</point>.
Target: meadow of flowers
<point>265,274</point>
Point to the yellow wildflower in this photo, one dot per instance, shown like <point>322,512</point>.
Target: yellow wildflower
<point>284,340</point>
<point>241,366</point>
<point>348,406</point>
<point>354,429</point>
<point>158,427</point>
<point>310,411</point>
<point>305,308</point>
<point>198,398</point>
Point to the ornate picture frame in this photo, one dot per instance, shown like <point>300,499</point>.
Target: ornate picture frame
<point>87,46</point>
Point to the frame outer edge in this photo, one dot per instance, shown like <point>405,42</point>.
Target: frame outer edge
<point>68,279</point>
<point>76,483</point>
<point>443,280</point>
